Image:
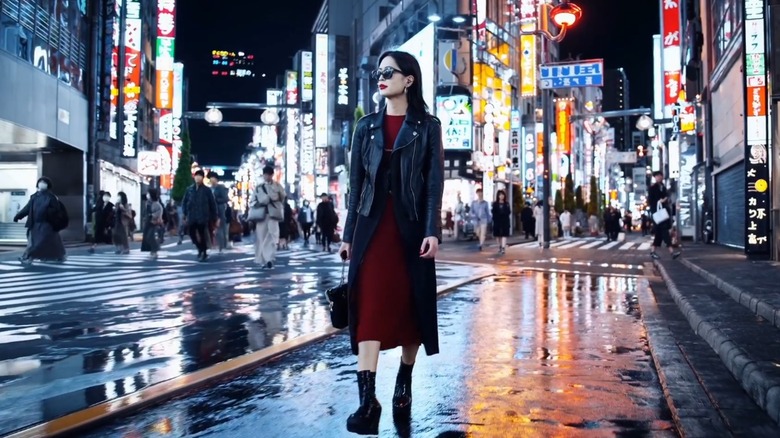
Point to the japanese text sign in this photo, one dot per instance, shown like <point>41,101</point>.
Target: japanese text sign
<point>671,50</point>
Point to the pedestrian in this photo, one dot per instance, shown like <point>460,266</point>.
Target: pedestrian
<point>306,219</point>
<point>501,212</point>
<point>458,216</point>
<point>285,230</point>
<point>44,216</point>
<point>131,226</point>
<point>199,212</point>
<point>480,211</point>
<point>527,219</point>
<point>539,222</point>
<point>102,220</point>
<point>267,196</point>
<point>327,221</point>
<point>657,199</point>
<point>153,221</point>
<point>122,220</point>
<point>593,225</point>
<point>221,197</point>
<point>392,235</point>
<point>449,223</point>
<point>628,221</point>
<point>566,223</point>
<point>173,217</point>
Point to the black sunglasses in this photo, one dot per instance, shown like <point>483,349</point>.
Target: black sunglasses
<point>384,73</point>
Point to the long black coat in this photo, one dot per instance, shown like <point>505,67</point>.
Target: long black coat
<point>501,213</point>
<point>104,221</point>
<point>369,134</point>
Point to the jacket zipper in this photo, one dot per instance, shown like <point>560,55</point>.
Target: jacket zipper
<point>411,180</point>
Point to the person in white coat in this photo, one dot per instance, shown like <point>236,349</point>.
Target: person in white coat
<point>539,217</point>
<point>268,195</point>
<point>566,224</point>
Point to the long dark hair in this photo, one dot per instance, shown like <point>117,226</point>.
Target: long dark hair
<point>154,195</point>
<point>410,67</point>
<point>123,198</point>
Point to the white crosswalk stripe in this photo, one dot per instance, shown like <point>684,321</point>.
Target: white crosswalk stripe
<point>39,289</point>
<point>589,243</point>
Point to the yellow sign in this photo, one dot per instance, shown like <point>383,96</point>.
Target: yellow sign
<point>528,65</point>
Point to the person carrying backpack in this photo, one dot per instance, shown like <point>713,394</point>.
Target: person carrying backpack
<point>46,217</point>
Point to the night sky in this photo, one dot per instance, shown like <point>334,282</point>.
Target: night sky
<point>619,31</point>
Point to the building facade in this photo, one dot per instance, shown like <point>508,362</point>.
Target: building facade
<point>737,147</point>
<point>44,116</point>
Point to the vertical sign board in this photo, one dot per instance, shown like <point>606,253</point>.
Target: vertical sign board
<point>343,79</point>
<point>527,65</point>
<point>177,113</point>
<point>132,84</point>
<point>672,55</point>
<point>321,94</point>
<point>563,135</point>
<point>757,208</point>
<point>307,77</point>
<point>291,98</point>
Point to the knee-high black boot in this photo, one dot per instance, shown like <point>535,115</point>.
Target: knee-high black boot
<point>402,397</point>
<point>365,421</point>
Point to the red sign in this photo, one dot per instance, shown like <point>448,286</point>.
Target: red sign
<point>671,50</point>
<point>756,98</point>
<point>166,18</point>
<point>563,133</point>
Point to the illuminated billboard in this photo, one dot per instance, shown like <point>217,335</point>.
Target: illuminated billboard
<point>132,83</point>
<point>671,50</point>
<point>422,47</point>
<point>528,65</point>
<point>307,77</point>
<point>457,120</point>
<point>321,92</point>
<point>235,64</point>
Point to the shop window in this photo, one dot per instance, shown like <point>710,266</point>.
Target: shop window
<point>726,19</point>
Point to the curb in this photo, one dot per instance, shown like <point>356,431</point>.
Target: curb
<point>743,297</point>
<point>763,389</point>
<point>670,363</point>
<point>122,406</point>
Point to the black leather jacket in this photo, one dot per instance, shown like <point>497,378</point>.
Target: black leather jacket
<point>421,176</point>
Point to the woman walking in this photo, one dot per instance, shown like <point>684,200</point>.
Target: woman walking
<point>43,242</point>
<point>392,235</point>
<point>539,222</point>
<point>122,219</point>
<point>152,222</point>
<point>501,213</point>
<point>103,215</point>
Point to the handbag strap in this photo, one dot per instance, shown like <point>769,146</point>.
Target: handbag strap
<point>343,267</point>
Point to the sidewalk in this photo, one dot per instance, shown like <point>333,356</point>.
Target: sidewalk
<point>734,305</point>
<point>527,354</point>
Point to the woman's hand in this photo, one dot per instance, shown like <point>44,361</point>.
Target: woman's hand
<point>345,252</point>
<point>429,247</point>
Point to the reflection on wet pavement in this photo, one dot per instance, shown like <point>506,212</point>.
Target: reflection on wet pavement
<point>524,354</point>
<point>70,355</point>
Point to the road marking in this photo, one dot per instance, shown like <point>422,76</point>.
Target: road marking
<point>573,244</point>
<point>608,246</point>
<point>592,244</point>
<point>626,246</point>
<point>645,246</point>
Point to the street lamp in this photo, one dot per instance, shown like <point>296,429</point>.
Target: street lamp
<point>565,14</point>
<point>269,117</point>
<point>644,123</point>
<point>213,116</point>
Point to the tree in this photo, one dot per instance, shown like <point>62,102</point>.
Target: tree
<point>559,201</point>
<point>579,203</point>
<point>183,177</point>
<point>593,199</point>
<point>359,113</point>
<point>568,195</point>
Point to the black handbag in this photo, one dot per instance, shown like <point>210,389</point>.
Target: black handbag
<point>337,298</point>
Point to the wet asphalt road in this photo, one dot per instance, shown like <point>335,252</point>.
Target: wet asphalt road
<point>528,354</point>
<point>102,326</point>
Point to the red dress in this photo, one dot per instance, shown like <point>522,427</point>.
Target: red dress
<point>384,297</point>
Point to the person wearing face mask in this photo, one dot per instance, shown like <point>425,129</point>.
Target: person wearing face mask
<point>152,222</point>
<point>103,215</point>
<point>122,219</point>
<point>199,209</point>
<point>43,242</point>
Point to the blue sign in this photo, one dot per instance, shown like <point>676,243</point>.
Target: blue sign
<point>588,73</point>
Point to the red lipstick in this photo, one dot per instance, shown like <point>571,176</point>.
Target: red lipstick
<point>382,86</point>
